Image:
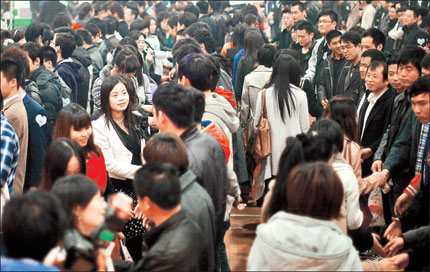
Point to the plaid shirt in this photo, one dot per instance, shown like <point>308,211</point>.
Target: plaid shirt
<point>421,145</point>
<point>9,153</point>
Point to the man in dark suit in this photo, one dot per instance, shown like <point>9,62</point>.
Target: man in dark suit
<point>375,112</point>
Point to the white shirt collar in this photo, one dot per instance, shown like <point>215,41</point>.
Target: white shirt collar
<point>372,98</point>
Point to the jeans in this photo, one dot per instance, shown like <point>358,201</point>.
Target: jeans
<point>221,254</point>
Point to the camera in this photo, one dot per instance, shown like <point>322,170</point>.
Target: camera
<point>81,251</point>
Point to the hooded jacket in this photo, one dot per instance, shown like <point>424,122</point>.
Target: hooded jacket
<point>222,113</point>
<point>82,57</point>
<point>293,242</point>
<point>69,72</point>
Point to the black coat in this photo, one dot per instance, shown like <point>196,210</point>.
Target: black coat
<point>403,154</point>
<point>197,203</point>
<point>207,161</point>
<point>376,124</point>
<point>327,81</point>
<point>414,36</point>
<point>175,245</point>
<point>50,90</point>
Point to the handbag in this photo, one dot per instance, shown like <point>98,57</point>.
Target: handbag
<point>261,148</point>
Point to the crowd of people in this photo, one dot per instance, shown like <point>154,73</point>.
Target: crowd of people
<point>130,129</point>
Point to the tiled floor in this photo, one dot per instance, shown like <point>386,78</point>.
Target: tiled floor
<point>240,236</point>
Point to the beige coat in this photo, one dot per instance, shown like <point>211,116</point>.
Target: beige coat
<point>352,154</point>
<point>252,85</point>
<point>15,112</point>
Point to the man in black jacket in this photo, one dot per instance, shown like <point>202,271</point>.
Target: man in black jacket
<point>409,70</point>
<point>413,144</point>
<point>413,35</point>
<point>351,47</point>
<point>375,113</point>
<point>48,83</point>
<point>174,112</point>
<point>333,74</point>
<point>175,243</point>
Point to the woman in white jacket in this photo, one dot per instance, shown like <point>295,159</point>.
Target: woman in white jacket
<point>287,109</point>
<point>313,198</point>
<point>116,133</point>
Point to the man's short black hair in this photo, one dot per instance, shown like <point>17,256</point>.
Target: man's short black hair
<point>49,54</point>
<point>184,47</point>
<point>375,64</point>
<point>377,35</point>
<point>249,9</point>
<point>173,21</point>
<point>85,35</point>
<point>351,36</point>
<point>413,55</point>
<point>300,5</point>
<point>358,29</point>
<point>422,85</point>
<point>286,10</point>
<point>394,59</point>
<point>414,10</point>
<point>116,7</point>
<point>33,31</point>
<point>187,19</point>
<point>138,24</point>
<point>250,19</point>
<point>176,102</point>
<point>61,19</point>
<point>32,224</point>
<point>99,23</point>
<point>192,29</point>
<point>203,6</point>
<point>374,54</point>
<point>34,51</point>
<point>333,15</point>
<point>199,69</point>
<point>266,55</point>
<point>93,29</point>
<point>160,183</point>
<point>191,8</point>
<point>426,62</point>
<point>332,34</point>
<point>304,25</point>
<point>111,23</point>
<point>67,43</point>
<point>134,8</point>
<point>203,36</point>
<point>63,29</point>
<point>12,69</point>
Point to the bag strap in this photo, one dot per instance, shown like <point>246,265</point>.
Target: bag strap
<point>263,103</point>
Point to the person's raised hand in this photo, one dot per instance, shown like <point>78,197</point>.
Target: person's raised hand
<point>394,229</point>
<point>394,246</point>
<point>402,203</point>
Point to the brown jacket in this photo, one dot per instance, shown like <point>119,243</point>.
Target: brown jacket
<point>15,112</point>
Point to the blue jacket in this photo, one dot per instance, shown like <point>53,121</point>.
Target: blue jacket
<point>37,124</point>
<point>69,72</point>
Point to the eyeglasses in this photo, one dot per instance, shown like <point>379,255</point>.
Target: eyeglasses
<point>324,22</point>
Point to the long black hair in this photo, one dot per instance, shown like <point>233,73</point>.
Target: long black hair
<point>106,89</point>
<point>286,71</point>
<point>57,158</point>
<point>252,43</point>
